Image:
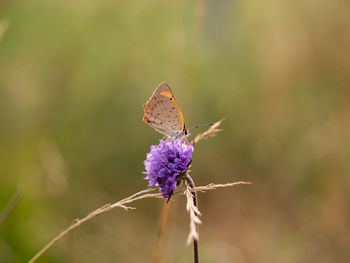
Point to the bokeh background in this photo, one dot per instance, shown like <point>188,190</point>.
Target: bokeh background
<point>74,76</point>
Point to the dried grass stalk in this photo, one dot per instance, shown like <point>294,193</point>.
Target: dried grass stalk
<point>194,215</point>
<point>211,132</point>
<point>122,204</point>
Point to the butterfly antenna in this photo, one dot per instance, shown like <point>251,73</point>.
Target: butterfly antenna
<point>200,125</point>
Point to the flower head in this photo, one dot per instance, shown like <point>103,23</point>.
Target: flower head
<point>165,162</point>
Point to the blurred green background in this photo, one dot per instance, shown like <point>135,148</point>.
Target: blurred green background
<point>74,76</point>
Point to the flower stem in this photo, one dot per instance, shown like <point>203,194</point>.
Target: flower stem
<point>161,228</point>
<point>195,202</point>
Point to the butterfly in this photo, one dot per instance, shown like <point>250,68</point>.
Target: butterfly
<point>163,113</point>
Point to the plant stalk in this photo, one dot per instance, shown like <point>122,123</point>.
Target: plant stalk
<point>161,229</point>
<point>195,202</point>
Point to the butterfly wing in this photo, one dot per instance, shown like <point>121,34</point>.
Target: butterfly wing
<point>163,113</point>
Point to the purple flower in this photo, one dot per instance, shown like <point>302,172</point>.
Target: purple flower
<point>165,162</point>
